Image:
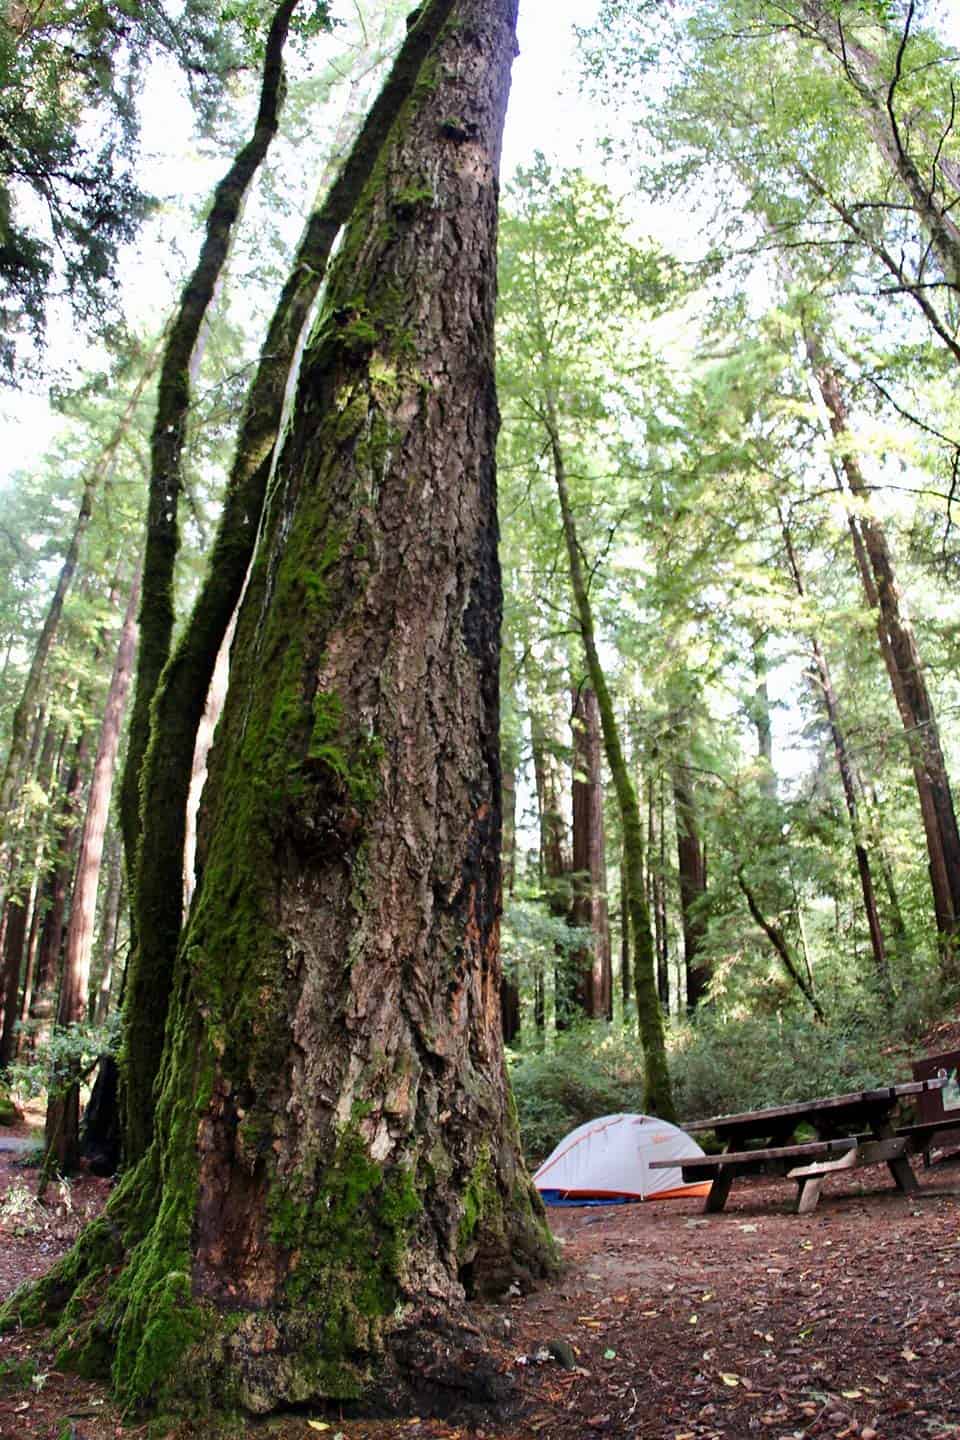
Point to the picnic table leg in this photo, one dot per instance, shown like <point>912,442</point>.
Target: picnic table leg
<point>808,1193</point>
<point>899,1167</point>
<point>718,1192</point>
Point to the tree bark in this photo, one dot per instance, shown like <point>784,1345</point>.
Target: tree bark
<point>182,694</point>
<point>594,977</point>
<point>63,1105</point>
<point>335,1159</point>
<point>658,1097</point>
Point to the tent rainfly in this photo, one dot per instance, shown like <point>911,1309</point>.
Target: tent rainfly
<point>607,1161</point>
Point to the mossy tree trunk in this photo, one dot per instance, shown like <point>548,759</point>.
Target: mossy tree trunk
<point>336,1161</point>
<point>658,1097</point>
<point>185,682</point>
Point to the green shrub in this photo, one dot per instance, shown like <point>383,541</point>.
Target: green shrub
<point>721,1065</point>
<point>592,1071</point>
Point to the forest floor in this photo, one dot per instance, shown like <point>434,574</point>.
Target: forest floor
<point>680,1326</point>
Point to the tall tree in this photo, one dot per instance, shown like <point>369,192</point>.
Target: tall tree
<point>182,692</point>
<point>334,1135</point>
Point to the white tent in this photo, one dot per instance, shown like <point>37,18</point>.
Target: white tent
<point>609,1159</point>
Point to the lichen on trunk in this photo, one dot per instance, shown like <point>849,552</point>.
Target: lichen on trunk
<point>336,1161</point>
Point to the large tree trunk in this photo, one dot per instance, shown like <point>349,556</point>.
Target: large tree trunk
<point>594,977</point>
<point>335,1159</point>
<point>180,698</point>
<point>658,1097</point>
<point>63,1105</point>
<point>899,648</point>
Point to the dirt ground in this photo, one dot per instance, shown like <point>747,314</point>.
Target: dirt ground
<point>680,1326</point>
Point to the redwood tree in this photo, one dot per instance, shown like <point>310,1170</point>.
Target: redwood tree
<point>335,1160</point>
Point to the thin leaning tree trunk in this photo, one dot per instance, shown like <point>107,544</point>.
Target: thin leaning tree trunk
<point>658,1096</point>
<point>877,95</point>
<point>170,423</point>
<point>850,783</point>
<point>908,682</point>
<point>182,692</point>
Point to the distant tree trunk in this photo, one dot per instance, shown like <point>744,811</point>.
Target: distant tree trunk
<point>555,856</point>
<point>760,714</point>
<point>23,892</point>
<point>658,1097</point>
<point>50,949</point>
<point>333,1135</point>
<point>626,979</point>
<point>63,1105</point>
<point>109,930</point>
<point>899,648</point>
<point>657,832</point>
<point>594,978</point>
<point>509,987</point>
<point>180,699</point>
<point>850,782</point>
<point>94,481</point>
<point>692,876</point>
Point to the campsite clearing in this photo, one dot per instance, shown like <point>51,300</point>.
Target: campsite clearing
<point>844,1323</point>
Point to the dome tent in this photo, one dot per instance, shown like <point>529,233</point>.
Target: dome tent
<point>608,1161</point>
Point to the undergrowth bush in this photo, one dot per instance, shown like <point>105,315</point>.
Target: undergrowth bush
<point>591,1071</point>
<point>719,1065</point>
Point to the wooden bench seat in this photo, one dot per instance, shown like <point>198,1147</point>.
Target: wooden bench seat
<point>920,1136</point>
<point>822,1157</point>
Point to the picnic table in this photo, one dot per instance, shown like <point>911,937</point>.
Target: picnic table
<point>852,1130</point>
